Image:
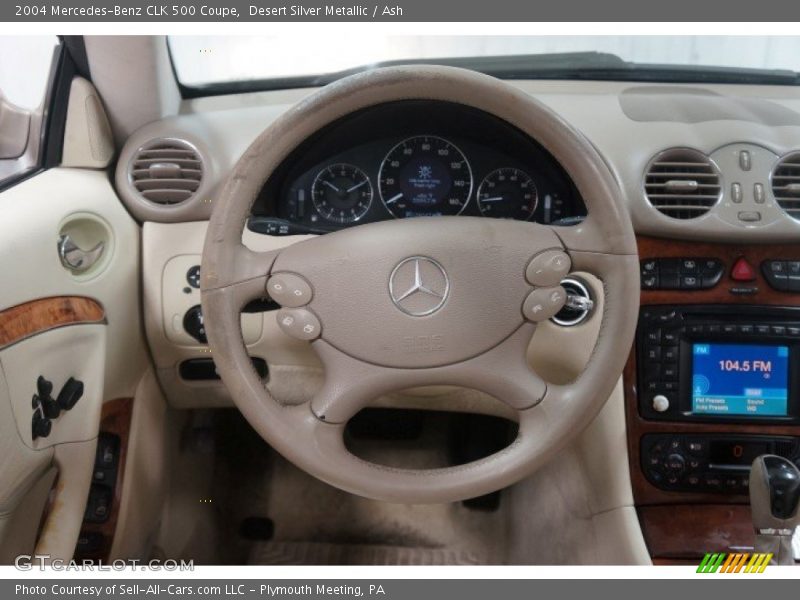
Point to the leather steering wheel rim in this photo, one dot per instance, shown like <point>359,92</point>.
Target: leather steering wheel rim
<point>357,326</point>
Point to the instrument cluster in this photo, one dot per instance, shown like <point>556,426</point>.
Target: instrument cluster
<point>417,159</point>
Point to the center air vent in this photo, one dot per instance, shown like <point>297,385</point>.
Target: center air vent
<point>786,184</point>
<point>166,171</point>
<point>682,183</point>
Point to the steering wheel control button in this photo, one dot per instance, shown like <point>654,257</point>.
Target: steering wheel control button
<point>548,268</point>
<point>289,290</point>
<point>299,323</point>
<point>544,303</point>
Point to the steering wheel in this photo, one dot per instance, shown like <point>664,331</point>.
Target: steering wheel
<point>426,301</point>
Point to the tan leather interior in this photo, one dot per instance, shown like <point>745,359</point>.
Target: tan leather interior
<point>203,458</point>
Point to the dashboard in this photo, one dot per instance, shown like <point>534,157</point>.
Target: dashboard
<point>413,159</point>
<point>695,165</point>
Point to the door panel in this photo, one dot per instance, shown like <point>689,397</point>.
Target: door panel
<point>59,322</point>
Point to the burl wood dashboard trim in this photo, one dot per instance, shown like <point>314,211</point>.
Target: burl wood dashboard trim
<point>680,525</point>
<point>25,320</point>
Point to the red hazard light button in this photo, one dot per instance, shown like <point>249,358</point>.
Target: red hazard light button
<point>742,271</point>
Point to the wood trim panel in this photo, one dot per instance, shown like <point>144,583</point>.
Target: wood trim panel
<point>24,320</point>
<point>116,420</point>
<point>687,532</point>
<point>681,526</point>
<point>650,247</point>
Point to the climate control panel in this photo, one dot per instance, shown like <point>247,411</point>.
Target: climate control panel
<point>710,463</point>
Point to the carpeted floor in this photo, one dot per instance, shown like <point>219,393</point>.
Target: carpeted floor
<point>315,523</point>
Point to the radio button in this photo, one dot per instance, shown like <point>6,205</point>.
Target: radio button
<point>778,329</point>
<point>670,354</point>
<point>693,481</point>
<point>653,336</point>
<point>660,403</point>
<point>793,330</point>
<point>713,329</point>
<point>712,481</point>
<point>729,328</point>
<point>762,329</point>
<point>669,372</point>
<point>667,316</point>
<point>669,337</point>
<point>653,353</point>
<point>746,329</point>
<point>694,464</point>
<point>695,329</point>
<point>669,386</point>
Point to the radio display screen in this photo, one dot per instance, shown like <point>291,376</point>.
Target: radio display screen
<point>740,379</point>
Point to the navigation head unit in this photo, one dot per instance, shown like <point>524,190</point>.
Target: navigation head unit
<point>710,363</point>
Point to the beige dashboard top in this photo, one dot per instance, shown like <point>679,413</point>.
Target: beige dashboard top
<point>629,123</point>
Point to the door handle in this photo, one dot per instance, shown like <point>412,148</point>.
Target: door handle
<point>74,258</point>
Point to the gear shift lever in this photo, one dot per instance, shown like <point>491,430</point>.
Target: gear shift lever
<point>774,499</point>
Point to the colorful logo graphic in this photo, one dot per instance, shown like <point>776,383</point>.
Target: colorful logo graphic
<point>720,562</point>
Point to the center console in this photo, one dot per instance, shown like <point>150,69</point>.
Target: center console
<point>712,382</point>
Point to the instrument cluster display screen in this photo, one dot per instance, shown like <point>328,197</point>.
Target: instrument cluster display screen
<point>740,379</point>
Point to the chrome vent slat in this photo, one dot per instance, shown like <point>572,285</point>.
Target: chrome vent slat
<point>687,174</point>
<point>687,196</point>
<point>682,183</point>
<point>166,172</point>
<point>155,184</point>
<point>786,184</point>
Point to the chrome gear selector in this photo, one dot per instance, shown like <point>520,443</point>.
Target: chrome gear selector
<point>774,500</point>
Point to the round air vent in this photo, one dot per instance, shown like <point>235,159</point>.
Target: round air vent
<point>682,183</point>
<point>166,171</point>
<point>786,184</point>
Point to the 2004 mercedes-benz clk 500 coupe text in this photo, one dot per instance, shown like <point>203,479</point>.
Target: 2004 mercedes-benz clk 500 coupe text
<point>506,307</point>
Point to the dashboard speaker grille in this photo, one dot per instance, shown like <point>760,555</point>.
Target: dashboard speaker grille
<point>166,171</point>
<point>786,184</point>
<point>682,183</point>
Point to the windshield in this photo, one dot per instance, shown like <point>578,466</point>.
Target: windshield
<point>219,63</point>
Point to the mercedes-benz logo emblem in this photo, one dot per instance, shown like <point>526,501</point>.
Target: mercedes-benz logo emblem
<point>419,286</point>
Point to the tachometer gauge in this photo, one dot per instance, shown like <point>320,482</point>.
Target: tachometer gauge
<point>342,193</point>
<point>507,193</point>
<point>425,176</point>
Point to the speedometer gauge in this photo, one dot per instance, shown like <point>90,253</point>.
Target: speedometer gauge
<point>425,176</point>
<point>342,193</point>
<point>507,193</point>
